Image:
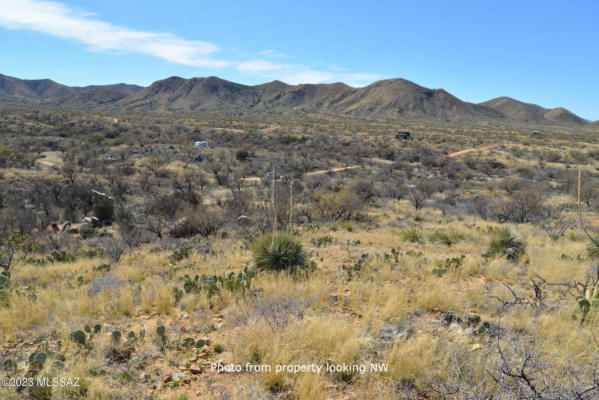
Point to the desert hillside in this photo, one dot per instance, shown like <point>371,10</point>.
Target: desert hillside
<point>397,99</point>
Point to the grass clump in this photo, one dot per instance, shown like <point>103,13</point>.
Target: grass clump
<point>413,235</point>
<point>446,238</point>
<point>506,243</point>
<point>279,253</point>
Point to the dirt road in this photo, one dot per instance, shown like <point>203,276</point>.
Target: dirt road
<point>470,150</point>
<point>258,180</point>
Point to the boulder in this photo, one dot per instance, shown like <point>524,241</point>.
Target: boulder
<point>243,220</point>
<point>103,207</point>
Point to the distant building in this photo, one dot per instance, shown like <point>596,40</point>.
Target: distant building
<point>534,132</point>
<point>403,135</point>
<point>107,158</point>
<point>201,143</point>
<point>271,174</point>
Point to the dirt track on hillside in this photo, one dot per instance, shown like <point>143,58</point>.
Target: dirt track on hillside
<point>471,149</point>
<point>257,179</point>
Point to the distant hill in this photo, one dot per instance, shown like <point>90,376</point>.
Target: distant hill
<point>185,95</point>
<point>532,113</point>
<point>391,98</point>
<point>405,99</point>
<point>47,92</point>
<point>20,91</point>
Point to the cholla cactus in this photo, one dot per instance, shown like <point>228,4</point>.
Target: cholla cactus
<point>589,302</point>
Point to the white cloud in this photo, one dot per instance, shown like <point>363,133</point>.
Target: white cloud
<point>336,68</point>
<point>358,79</point>
<point>289,73</point>
<point>59,20</point>
<point>259,66</point>
<point>272,54</point>
<point>307,76</point>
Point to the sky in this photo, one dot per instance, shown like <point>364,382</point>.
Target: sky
<point>542,52</point>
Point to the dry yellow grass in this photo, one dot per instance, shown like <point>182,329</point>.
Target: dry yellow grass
<point>327,316</point>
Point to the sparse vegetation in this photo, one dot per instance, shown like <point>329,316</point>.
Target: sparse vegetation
<point>413,256</point>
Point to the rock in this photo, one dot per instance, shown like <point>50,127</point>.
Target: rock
<point>91,220</point>
<point>75,228</point>
<point>457,329</point>
<point>206,339</point>
<point>393,332</point>
<point>105,282</point>
<point>195,369</point>
<point>487,328</point>
<point>103,208</point>
<point>177,376</point>
<point>472,320</point>
<point>447,318</point>
<point>243,220</point>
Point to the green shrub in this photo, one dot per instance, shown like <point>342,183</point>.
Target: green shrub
<point>214,284</point>
<point>592,250</point>
<point>102,268</point>
<point>279,253</point>
<point>446,238</point>
<point>55,256</point>
<point>82,339</point>
<point>322,241</point>
<point>412,235</point>
<point>180,254</point>
<point>506,243</point>
<point>37,359</point>
<point>448,264</point>
<point>61,256</point>
<point>4,287</point>
<point>349,271</point>
<point>589,303</point>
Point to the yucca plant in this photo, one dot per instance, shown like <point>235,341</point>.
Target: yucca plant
<point>279,253</point>
<point>506,243</point>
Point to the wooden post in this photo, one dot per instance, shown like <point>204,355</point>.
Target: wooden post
<point>272,199</point>
<point>291,198</point>
<point>580,195</point>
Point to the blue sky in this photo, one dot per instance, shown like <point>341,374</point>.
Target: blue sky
<point>544,52</point>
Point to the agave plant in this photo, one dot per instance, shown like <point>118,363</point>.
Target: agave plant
<point>506,243</point>
<point>279,253</point>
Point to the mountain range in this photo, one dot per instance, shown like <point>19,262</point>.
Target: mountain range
<point>391,98</point>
